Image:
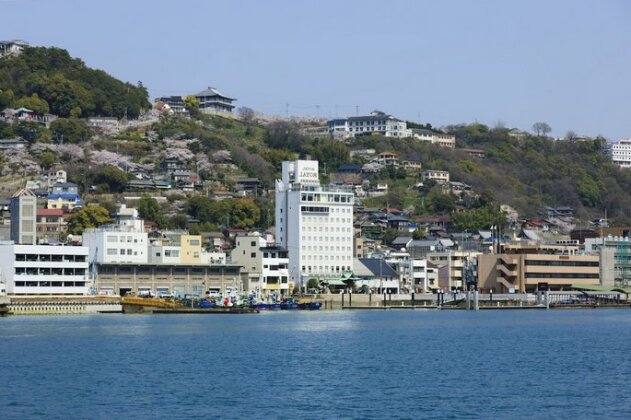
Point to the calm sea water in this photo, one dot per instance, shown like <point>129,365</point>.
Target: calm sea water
<point>350,364</point>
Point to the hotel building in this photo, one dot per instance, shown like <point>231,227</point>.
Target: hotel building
<point>314,223</point>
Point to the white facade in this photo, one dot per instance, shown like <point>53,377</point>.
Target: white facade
<point>621,153</point>
<point>314,223</point>
<point>375,123</point>
<point>44,269</point>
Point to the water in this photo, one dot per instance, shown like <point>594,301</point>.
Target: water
<point>336,364</point>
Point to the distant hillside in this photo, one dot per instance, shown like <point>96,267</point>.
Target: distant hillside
<point>50,80</point>
<point>528,173</point>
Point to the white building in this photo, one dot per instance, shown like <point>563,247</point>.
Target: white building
<point>124,242</point>
<point>621,153</point>
<point>375,123</point>
<point>44,269</point>
<point>441,139</point>
<point>265,263</point>
<point>314,223</point>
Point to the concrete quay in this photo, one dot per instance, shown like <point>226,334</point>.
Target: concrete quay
<point>62,305</point>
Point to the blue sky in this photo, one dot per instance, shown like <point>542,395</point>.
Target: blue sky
<point>563,62</point>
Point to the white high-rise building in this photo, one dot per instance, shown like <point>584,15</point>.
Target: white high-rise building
<point>621,153</point>
<point>314,223</point>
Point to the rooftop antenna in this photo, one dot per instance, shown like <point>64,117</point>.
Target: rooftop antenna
<point>357,110</point>
<point>336,111</point>
<point>287,110</point>
<point>318,110</point>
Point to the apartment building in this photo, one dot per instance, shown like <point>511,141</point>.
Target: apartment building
<point>44,269</point>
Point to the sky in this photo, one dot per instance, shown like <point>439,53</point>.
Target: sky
<point>567,63</point>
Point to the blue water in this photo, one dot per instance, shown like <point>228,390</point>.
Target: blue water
<point>335,364</point>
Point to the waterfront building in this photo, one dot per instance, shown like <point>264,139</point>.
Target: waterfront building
<point>44,269</point>
<point>530,267</point>
<point>123,242</point>
<point>265,263</point>
<point>314,223</point>
<point>24,217</point>
<point>376,275</point>
<point>621,153</point>
<point>452,267</point>
<point>167,279</point>
<point>621,248</point>
<point>424,275</point>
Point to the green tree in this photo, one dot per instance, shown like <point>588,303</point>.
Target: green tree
<point>6,130</point>
<point>191,104</point>
<point>70,130</point>
<point>149,209</point>
<point>87,217</point>
<point>32,132</point>
<point>313,284</point>
<point>34,103</point>
<point>111,178</point>
<point>6,98</point>
<point>47,159</point>
<point>440,202</point>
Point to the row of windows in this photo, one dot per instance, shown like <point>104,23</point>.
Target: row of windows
<point>369,122</point>
<point>314,209</point>
<point>275,267</point>
<point>49,284</point>
<point>325,248</point>
<point>333,198</point>
<point>122,251</point>
<point>123,239</point>
<point>562,263</point>
<point>48,271</point>
<point>274,280</point>
<point>562,276</point>
<point>327,238</point>
<point>325,268</point>
<point>326,257</point>
<point>324,229</point>
<point>159,270</point>
<point>50,258</point>
<point>274,254</point>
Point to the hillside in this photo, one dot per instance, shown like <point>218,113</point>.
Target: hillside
<point>527,172</point>
<point>50,80</point>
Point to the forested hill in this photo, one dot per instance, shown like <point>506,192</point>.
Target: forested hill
<point>49,80</point>
<point>529,172</point>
